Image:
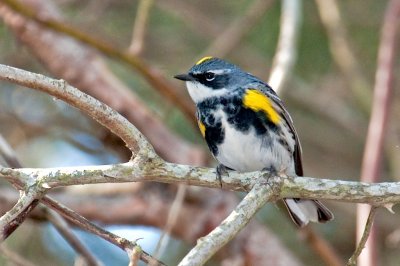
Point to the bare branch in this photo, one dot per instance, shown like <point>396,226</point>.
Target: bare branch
<point>12,219</point>
<point>139,29</point>
<point>286,53</point>
<point>97,110</point>
<point>367,230</point>
<point>207,246</point>
<point>86,225</point>
<point>138,171</point>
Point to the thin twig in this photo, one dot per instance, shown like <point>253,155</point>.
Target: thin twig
<point>63,228</point>
<point>86,225</point>
<point>367,230</point>
<point>171,220</point>
<point>286,53</point>
<point>377,128</point>
<point>139,29</point>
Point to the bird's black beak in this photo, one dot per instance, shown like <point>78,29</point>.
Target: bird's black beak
<point>185,77</point>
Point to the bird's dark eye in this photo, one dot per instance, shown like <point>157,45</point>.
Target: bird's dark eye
<point>209,76</point>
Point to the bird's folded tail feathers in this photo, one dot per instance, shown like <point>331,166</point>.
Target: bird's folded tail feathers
<point>302,211</point>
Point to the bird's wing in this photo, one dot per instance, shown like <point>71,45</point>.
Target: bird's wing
<point>268,92</point>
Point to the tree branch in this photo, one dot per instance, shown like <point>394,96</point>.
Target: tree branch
<point>207,246</point>
<point>103,114</point>
<point>136,171</point>
<point>86,225</point>
<point>12,219</point>
<point>367,230</point>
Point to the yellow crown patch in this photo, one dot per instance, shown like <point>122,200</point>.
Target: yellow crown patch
<point>203,60</point>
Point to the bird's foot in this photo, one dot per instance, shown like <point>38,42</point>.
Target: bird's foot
<point>222,170</point>
<point>269,172</point>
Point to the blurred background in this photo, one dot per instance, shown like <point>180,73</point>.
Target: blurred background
<point>328,94</point>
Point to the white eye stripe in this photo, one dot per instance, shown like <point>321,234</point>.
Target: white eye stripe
<point>220,71</point>
<point>216,71</point>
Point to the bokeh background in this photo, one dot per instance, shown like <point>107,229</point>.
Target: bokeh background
<point>328,99</point>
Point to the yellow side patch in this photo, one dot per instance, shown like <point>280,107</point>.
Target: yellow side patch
<point>257,101</point>
<point>203,59</point>
<point>202,128</point>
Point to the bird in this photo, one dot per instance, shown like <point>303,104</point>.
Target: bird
<point>247,128</point>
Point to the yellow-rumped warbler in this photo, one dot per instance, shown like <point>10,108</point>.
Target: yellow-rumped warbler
<point>247,128</point>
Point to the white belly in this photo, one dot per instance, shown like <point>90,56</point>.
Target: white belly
<point>246,153</point>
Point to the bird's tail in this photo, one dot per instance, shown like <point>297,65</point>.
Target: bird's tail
<point>302,211</point>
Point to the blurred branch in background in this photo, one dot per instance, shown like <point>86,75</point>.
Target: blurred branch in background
<point>321,246</point>
<point>343,54</point>
<point>62,227</point>
<point>230,38</point>
<point>173,214</point>
<point>281,71</point>
<point>85,69</point>
<point>286,52</point>
<point>13,257</point>
<point>345,58</point>
<point>139,28</point>
<point>150,73</point>
<point>377,129</point>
